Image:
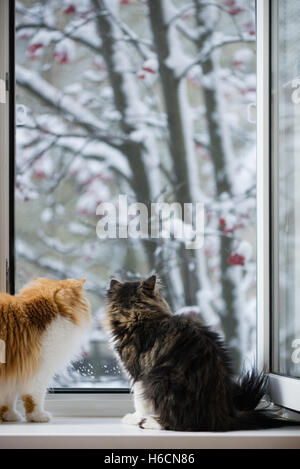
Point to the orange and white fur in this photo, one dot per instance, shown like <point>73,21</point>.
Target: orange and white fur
<point>43,328</point>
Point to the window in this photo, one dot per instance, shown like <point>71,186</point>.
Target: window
<point>286,197</point>
<point>278,199</point>
<point>152,101</point>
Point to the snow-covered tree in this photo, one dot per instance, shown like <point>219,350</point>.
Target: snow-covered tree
<point>152,99</point>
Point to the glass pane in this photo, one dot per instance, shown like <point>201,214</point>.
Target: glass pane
<point>286,188</point>
<point>154,101</point>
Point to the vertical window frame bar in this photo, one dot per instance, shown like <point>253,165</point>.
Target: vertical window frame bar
<point>284,391</point>
<point>7,146</point>
<point>263,185</point>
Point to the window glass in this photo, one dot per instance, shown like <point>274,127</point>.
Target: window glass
<point>133,101</point>
<point>286,193</point>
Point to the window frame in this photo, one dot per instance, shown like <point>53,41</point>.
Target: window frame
<point>7,145</point>
<point>285,391</point>
<point>115,402</point>
<point>104,402</point>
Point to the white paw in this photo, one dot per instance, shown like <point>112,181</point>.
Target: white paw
<point>150,423</point>
<point>131,419</point>
<point>12,416</point>
<point>41,417</point>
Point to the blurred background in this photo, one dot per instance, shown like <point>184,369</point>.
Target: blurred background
<point>155,100</point>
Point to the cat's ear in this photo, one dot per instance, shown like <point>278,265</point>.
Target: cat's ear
<point>114,283</point>
<point>74,283</point>
<point>149,284</point>
<point>81,282</point>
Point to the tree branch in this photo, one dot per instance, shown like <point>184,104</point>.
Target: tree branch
<point>204,55</point>
<point>114,140</point>
<point>189,6</point>
<point>59,271</point>
<point>130,35</point>
<point>79,37</point>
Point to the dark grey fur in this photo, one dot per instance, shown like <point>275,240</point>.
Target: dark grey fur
<point>184,366</point>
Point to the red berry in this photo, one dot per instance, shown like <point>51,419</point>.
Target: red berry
<point>238,63</point>
<point>70,10</point>
<point>250,28</point>
<point>61,57</point>
<point>39,174</point>
<point>230,3</point>
<point>34,47</point>
<point>236,259</point>
<point>148,69</point>
<point>236,10</point>
<point>222,222</point>
<point>24,35</point>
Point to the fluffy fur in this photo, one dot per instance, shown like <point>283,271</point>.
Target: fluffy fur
<point>180,369</point>
<point>42,328</point>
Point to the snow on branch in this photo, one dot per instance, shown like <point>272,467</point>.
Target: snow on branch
<point>99,151</point>
<point>142,46</point>
<point>75,112</point>
<point>56,267</point>
<point>72,111</point>
<point>115,140</point>
<point>206,53</point>
<point>180,13</point>
<point>90,41</point>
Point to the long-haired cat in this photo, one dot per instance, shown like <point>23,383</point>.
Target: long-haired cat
<point>180,370</point>
<point>43,328</point>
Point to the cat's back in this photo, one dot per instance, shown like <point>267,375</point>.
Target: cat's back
<point>13,316</point>
<point>6,300</point>
<point>23,320</point>
<point>187,338</point>
<point>20,313</point>
<point>193,327</point>
<point>9,303</point>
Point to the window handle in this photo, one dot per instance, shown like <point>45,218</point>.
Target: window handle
<point>251,113</point>
<point>21,114</point>
<point>2,91</point>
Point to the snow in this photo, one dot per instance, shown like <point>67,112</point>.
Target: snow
<point>106,93</point>
<point>245,249</point>
<point>97,150</point>
<point>169,11</point>
<point>74,88</point>
<point>209,17</point>
<point>135,108</point>
<point>45,37</point>
<point>243,55</point>
<point>76,105</point>
<point>178,60</point>
<point>94,75</point>
<point>33,81</point>
<point>47,215</point>
<point>66,46</point>
<point>78,229</point>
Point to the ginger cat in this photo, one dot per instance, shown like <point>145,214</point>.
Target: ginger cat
<point>41,330</point>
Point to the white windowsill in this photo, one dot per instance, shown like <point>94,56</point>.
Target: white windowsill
<point>110,433</point>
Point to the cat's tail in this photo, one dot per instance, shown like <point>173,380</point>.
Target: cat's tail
<point>260,420</point>
<point>249,390</point>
